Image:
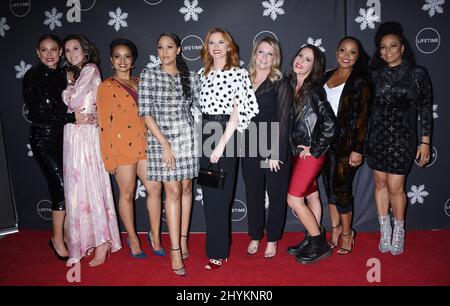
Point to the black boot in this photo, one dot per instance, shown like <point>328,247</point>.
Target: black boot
<point>296,249</point>
<point>317,249</point>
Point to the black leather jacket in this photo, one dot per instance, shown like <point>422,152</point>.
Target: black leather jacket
<point>315,126</point>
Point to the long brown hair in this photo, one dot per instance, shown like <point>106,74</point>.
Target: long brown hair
<point>232,53</point>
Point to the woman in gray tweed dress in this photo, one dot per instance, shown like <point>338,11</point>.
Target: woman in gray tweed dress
<point>168,101</point>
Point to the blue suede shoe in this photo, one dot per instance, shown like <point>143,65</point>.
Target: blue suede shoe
<point>141,255</point>
<point>159,252</point>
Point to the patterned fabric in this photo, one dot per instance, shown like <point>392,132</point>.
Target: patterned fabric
<point>221,86</point>
<point>161,96</point>
<point>400,93</point>
<point>91,216</point>
<point>122,131</point>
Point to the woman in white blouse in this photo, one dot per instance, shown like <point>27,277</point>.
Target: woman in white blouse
<point>227,103</point>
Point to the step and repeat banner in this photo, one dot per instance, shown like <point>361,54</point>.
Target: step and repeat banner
<point>292,22</point>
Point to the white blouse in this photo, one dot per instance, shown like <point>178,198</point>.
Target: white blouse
<point>334,96</point>
<point>220,87</point>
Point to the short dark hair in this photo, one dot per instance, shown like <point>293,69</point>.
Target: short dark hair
<point>124,42</point>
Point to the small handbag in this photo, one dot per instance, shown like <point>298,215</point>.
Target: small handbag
<point>210,177</point>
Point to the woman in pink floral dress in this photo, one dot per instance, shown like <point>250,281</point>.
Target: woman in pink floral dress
<point>91,217</point>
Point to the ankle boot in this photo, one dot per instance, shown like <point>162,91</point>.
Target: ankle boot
<point>296,249</point>
<point>398,237</point>
<point>316,249</point>
<point>386,233</point>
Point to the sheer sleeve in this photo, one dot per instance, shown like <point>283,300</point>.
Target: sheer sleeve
<point>85,88</point>
<point>283,116</point>
<point>245,99</point>
<point>425,100</point>
<point>145,94</point>
<point>195,90</point>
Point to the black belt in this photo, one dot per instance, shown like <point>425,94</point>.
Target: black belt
<point>216,117</point>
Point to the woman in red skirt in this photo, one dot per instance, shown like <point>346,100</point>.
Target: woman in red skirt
<point>313,129</point>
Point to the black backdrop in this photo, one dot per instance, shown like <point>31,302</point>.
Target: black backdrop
<point>292,22</point>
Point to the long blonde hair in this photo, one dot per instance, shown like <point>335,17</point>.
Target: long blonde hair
<point>275,72</point>
<point>232,53</point>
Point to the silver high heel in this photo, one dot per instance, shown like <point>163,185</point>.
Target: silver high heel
<point>386,233</point>
<point>398,237</point>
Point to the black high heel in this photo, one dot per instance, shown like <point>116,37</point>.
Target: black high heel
<point>332,245</point>
<point>52,246</point>
<point>184,255</point>
<point>344,251</point>
<point>180,271</point>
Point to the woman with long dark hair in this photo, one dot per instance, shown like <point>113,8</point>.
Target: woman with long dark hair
<point>42,89</point>
<point>91,216</point>
<point>168,101</point>
<point>314,128</point>
<point>401,91</point>
<point>349,92</point>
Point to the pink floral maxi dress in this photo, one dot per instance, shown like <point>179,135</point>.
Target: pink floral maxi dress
<point>91,216</point>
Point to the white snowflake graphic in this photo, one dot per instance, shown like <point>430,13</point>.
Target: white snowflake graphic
<point>241,63</point>
<point>317,43</point>
<point>267,202</point>
<point>53,19</point>
<point>118,19</point>
<point>190,10</point>
<point>273,8</point>
<point>30,153</point>
<point>367,18</point>
<point>140,190</point>
<point>433,6</point>
<point>3,26</point>
<point>435,114</point>
<point>154,62</point>
<point>21,69</point>
<point>199,196</point>
<point>417,194</point>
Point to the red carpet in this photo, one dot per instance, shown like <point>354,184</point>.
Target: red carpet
<point>26,259</point>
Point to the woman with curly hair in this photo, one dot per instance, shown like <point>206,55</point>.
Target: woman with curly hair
<point>401,91</point>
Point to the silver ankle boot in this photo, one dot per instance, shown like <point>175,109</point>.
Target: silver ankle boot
<point>398,237</point>
<point>386,232</point>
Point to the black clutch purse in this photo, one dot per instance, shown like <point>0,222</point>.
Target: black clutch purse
<point>211,177</point>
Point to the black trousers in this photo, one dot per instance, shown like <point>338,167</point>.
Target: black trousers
<point>47,146</point>
<point>256,179</point>
<point>217,202</point>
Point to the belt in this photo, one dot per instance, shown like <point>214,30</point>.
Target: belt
<point>216,117</point>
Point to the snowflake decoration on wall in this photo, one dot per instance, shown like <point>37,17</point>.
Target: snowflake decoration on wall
<point>417,194</point>
<point>154,62</point>
<point>190,10</point>
<point>367,18</point>
<point>30,152</point>
<point>317,43</point>
<point>53,18</point>
<point>435,114</point>
<point>21,69</point>
<point>140,190</point>
<point>273,8</point>
<point>118,19</point>
<point>199,196</point>
<point>433,6</point>
<point>3,26</point>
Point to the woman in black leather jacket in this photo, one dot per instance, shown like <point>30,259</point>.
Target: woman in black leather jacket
<point>314,128</point>
<point>42,89</point>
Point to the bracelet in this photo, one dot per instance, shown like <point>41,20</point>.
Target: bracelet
<point>423,142</point>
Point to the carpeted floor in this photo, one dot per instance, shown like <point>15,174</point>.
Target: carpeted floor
<point>26,259</point>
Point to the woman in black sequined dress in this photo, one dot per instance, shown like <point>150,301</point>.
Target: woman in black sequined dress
<point>402,90</point>
<point>42,89</point>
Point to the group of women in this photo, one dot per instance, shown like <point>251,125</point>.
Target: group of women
<point>314,122</point>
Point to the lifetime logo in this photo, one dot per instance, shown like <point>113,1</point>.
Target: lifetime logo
<point>238,211</point>
<point>428,40</point>
<point>191,46</point>
<point>19,8</point>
